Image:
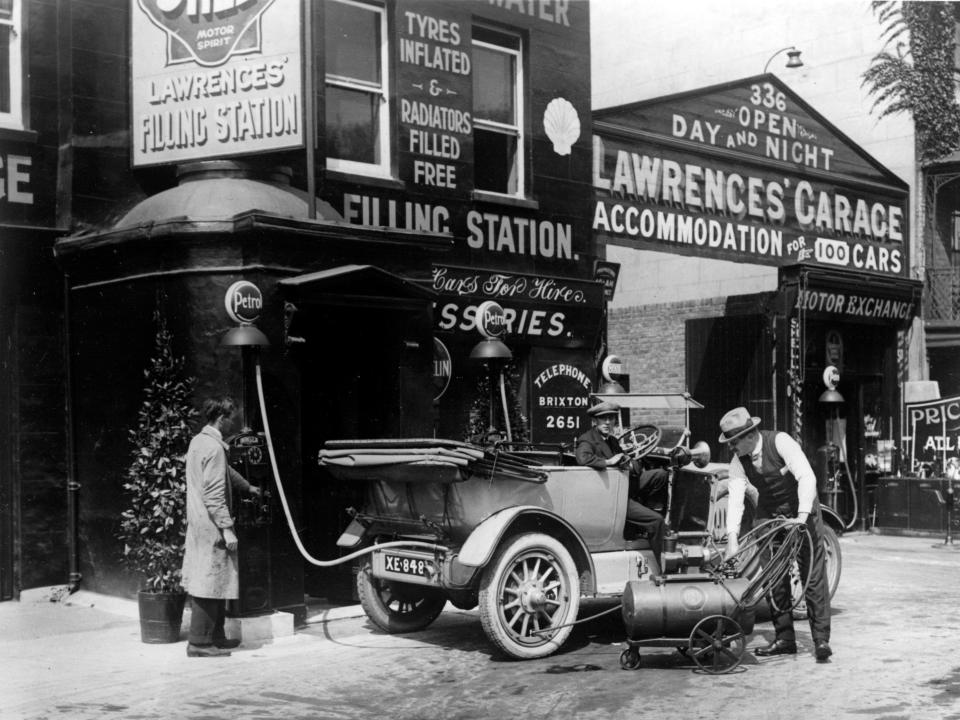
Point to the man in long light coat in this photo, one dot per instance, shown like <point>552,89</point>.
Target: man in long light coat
<point>210,573</point>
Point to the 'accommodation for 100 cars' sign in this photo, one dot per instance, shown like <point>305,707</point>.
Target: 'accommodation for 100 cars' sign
<point>744,173</point>
<point>214,78</point>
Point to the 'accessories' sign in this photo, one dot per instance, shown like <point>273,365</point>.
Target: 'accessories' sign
<point>213,78</point>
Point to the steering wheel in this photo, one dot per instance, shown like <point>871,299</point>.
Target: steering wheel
<point>639,440</point>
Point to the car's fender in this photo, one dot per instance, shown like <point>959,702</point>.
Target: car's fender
<point>832,519</point>
<point>485,538</point>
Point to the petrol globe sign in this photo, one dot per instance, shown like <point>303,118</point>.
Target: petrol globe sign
<point>243,301</point>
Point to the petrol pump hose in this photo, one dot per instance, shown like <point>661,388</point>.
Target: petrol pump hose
<point>286,506</point>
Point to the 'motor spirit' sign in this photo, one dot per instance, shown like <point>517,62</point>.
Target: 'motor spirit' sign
<point>214,78</point>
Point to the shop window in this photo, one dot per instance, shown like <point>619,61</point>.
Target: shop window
<point>11,67</point>
<point>498,112</point>
<point>356,97</point>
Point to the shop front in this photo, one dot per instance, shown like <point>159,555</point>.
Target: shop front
<point>368,191</point>
<point>779,252</point>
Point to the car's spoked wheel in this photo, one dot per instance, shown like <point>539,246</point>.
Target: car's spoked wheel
<point>529,592</point>
<point>717,644</point>
<point>397,607</point>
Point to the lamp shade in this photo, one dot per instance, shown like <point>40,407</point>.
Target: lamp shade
<point>490,349</point>
<point>244,336</point>
<point>610,387</point>
<point>831,396</point>
<point>793,59</point>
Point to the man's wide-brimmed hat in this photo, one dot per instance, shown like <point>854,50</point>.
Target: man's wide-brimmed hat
<point>735,423</point>
<point>604,408</point>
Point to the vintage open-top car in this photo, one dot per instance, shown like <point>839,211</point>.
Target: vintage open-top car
<point>523,534</point>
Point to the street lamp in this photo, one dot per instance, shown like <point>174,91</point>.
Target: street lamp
<point>793,58</point>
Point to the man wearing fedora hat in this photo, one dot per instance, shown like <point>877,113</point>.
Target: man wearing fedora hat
<point>599,448</point>
<point>775,464</point>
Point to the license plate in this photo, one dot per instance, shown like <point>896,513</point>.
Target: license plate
<point>418,567</point>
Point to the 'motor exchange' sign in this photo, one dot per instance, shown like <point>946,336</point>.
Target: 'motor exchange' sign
<point>213,78</point>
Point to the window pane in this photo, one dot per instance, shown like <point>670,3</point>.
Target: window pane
<point>4,68</point>
<point>494,161</point>
<point>352,125</point>
<point>352,42</point>
<point>494,76</point>
<point>6,9</point>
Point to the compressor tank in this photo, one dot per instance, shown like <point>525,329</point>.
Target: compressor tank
<point>673,608</point>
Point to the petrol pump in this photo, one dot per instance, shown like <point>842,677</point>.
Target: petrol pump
<point>248,456</point>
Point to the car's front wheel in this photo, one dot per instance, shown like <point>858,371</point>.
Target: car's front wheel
<point>395,606</point>
<point>529,596</point>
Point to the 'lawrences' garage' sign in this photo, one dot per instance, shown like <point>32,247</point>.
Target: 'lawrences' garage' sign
<point>745,172</point>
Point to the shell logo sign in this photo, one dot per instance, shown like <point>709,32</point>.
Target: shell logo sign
<point>243,301</point>
<point>207,32</point>
<point>562,125</point>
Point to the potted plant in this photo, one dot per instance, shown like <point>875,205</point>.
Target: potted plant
<point>153,524</point>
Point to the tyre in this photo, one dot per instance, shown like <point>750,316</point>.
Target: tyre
<point>834,561</point>
<point>397,607</point>
<point>531,585</point>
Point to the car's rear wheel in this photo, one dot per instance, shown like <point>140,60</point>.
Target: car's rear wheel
<point>395,606</point>
<point>529,595</point>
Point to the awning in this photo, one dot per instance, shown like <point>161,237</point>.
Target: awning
<point>645,401</point>
<point>355,286</point>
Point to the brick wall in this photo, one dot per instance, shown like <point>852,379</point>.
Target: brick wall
<point>650,341</point>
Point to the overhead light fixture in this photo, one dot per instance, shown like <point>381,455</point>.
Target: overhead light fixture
<point>611,387</point>
<point>831,396</point>
<point>490,349</point>
<point>793,58</point>
<point>244,336</point>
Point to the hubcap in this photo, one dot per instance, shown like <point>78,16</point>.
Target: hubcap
<point>533,598</point>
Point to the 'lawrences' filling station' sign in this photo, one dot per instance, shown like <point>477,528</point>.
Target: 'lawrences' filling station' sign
<point>212,79</point>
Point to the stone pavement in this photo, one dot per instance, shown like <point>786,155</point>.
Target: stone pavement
<point>56,648</point>
<point>81,655</point>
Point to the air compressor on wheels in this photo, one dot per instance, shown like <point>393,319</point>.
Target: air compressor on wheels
<point>705,607</point>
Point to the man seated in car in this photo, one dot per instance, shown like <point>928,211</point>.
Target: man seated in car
<point>599,448</point>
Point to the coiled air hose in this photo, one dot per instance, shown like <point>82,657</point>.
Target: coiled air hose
<point>773,545</point>
<point>289,516</point>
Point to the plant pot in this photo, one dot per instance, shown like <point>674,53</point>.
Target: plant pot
<point>160,616</point>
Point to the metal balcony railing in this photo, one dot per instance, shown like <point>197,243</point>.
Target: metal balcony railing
<point>942,294</point>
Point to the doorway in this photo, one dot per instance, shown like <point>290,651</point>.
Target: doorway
<point>364,353</point>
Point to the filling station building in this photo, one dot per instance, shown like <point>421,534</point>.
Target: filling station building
<point>347,183</point>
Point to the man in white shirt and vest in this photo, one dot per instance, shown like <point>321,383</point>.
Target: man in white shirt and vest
<point>775,464</point>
